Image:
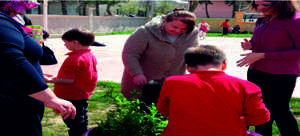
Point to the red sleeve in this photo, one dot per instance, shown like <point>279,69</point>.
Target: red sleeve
<point>255,112</point>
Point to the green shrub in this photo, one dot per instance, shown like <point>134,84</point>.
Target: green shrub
<point>128,120</point>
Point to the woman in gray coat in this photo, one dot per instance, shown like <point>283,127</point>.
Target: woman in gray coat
<point>155,51</point>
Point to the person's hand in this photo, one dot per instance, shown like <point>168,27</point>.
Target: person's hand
<point>48,78</point>
<point>139,80</point>
<point>65,108</point>
<point>249,59</point>
<point>246,45</point>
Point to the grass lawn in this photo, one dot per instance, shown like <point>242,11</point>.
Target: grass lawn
<point>242,35</point>
<point>100,103</point>
<point>116,33</point>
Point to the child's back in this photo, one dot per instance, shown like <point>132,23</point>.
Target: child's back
<point>209,102</point>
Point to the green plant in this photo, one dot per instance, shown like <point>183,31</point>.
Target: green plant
<point>127,119</point>
<point>116,33</point>
<point>241,35</point>
<point>98,107</point>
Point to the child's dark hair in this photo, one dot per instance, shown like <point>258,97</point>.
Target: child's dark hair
<point>204,55</point>
<point>84,38</point>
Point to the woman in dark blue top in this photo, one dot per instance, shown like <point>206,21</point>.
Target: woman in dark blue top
<point>23,91</point>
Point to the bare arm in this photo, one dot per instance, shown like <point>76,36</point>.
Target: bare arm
<point>59,80</point>
<point>65,108</point>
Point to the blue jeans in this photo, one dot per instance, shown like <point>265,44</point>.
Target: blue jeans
<point>277,91</point>
<point>79,125</point>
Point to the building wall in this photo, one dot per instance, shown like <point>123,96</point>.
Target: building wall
<point>214,23</point>
<point>58,24</point>
<point>218,10</point>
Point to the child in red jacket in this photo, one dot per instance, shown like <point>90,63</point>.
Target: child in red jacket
<point>209,102</point>
<point>77,78</point>
<point>225,27</point>
<point>203,28</point>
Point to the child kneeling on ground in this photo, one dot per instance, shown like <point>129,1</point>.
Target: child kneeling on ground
<point>209,102</point>
<point>77,78</point>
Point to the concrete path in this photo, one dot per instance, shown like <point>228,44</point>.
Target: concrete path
<point>110,65</point>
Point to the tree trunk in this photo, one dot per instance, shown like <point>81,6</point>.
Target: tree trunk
<point>206,10</point>
<point>108,9</point>
<point>148,8</point>
<point>235,8</point>
<point>64,7</point>
<point>39,7</point>
<point>97,8</point>
<point>84,6</point>
<point>193,5</point>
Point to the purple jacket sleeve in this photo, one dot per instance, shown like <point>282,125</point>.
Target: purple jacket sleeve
<point>294,33</point>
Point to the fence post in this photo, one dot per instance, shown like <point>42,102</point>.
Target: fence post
<point>91,21</point>
<point>45,15</point>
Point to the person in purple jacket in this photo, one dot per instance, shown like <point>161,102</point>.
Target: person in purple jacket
<point>275,61</point>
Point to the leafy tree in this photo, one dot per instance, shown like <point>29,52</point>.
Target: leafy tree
<point>163,8</point>
<point>148,6</point>
<point>143,8</point>
<point>206,2</point>
<point>81,9</point>
<point>97,8</point>
<point>131,7</point>
<point>64,7</point>
<point>236,5</point>
<point>192,5</point>
<point>109,3</point>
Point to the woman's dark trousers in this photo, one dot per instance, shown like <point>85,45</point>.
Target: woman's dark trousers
<point>277,91</point>
<point>79,125</point>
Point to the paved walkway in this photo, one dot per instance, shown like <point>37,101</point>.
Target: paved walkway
<point>110,64</point>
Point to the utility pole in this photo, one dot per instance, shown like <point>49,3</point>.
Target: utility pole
<point>240,4</point>
<point>152,8</point>
<point>45,15</point>
<point>91,21</point>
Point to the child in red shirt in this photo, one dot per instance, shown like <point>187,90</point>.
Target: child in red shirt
<point>77,78</point>
<point>225,26</point>
<point>209,102</point>
<point>203,28</point>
